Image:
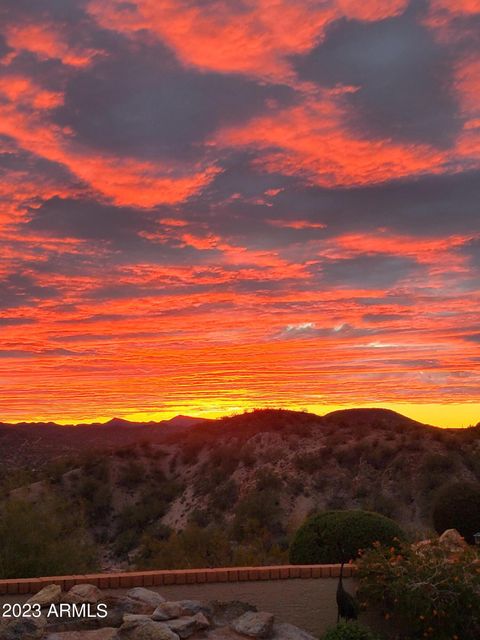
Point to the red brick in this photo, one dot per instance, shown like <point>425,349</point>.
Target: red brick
<point>180,577</point>
<point>169,577</point>
<point>126,581</point>
<point>233,575</point>
<point>305,572</point>
<point>264,573</point>
<point>113,581</point>
<point>158,579</point>
<point>316,572</point>
<point>243,574</point>
<point>201,577</point>
<point>294,572</point>
<point>253,574</point>
<point>335,570</point>
<point>221,575</point>
<point>148,580</point>
<point>284,573</point>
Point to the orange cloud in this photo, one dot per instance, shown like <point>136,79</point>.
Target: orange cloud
<point>255,40</point>
<point>46,41</point>
<point>311,140</point>
<point>123,180</point>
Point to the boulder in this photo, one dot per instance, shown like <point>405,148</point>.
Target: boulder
<point>145,630</point>
<point>452,540</point>
<point>178,608</point>
<point>147,596</point>
<point>225,612</point>
<point>191,607</point>
<point>168,611</point>
<point>107,633</point>
<point>285,631</point>
<point>47,596</point>
<point>257,624</point>
<point>188,625</point>
<point>22,628</point>
<point>124,604</point>
<point>80,593</point>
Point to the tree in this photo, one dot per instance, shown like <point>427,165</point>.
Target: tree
<point>458,507</point>
<point>337,536</point>
<point>43,539</point>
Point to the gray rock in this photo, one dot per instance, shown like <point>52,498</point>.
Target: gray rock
<point>191,607</point>
<point>188,625</point>
<point>285,631</point>
<point>124,604</point>
<point>146,595</point>
<point>225,612</point>
<point>168,611</point>
<point>47,596</point>
<point>183,627</point>
<point>201,621</point>
<point>255,624</point>
<point>22,628</point>
<point>135,617</point>
<point>107,633</point>
<point>145,630</point>
<point>178,608</point>
<point>80,593</point>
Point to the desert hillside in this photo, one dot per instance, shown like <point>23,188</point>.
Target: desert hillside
<point>250,477</point>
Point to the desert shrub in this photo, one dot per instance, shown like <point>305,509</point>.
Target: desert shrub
<point>435,468</point>
<point>349,631</point>
<point>224,496</point>
<point>307,462</point>
<point>346,455</point>
<point>131,475</point>
<point>193,547</point>
<point>43,539</point>
<point>457,506</point>
<point>266,479</point>
<point>201,517</point>
<point>247,456</point>
<point>381,503</point>
<point>336,536</point>
<point>431,591</point>
<point>97,497</point>
<point>191,451</point>
<point>258,511</point>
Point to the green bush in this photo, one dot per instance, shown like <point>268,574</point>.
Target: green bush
<point>432,591</point>
<point>333,536</point>
<point>458,507</point>
<point>259,511</point>
<point>349,631</point>
<point>43,539</point>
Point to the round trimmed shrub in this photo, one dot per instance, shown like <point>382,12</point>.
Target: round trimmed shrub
<point>349,631</point>
<point>337,536</point>
<point>458,507</point>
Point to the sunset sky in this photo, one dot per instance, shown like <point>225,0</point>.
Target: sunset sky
<point>213,205</point>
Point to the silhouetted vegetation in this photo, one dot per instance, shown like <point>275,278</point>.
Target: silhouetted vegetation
<point>338,536</point>
<point>457,506</point>
<point>43,539</point>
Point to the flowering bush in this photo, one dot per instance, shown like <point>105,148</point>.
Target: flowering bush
<point>432,587</point>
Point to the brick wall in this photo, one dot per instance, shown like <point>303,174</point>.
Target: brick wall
<point>176,576</point>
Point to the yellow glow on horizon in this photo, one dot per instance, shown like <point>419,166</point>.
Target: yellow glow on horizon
<point>439,415</point>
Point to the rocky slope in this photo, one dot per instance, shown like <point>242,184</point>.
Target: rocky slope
<point>258,475</point>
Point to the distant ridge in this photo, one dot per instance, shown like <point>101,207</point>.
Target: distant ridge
<point>176,421</point>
